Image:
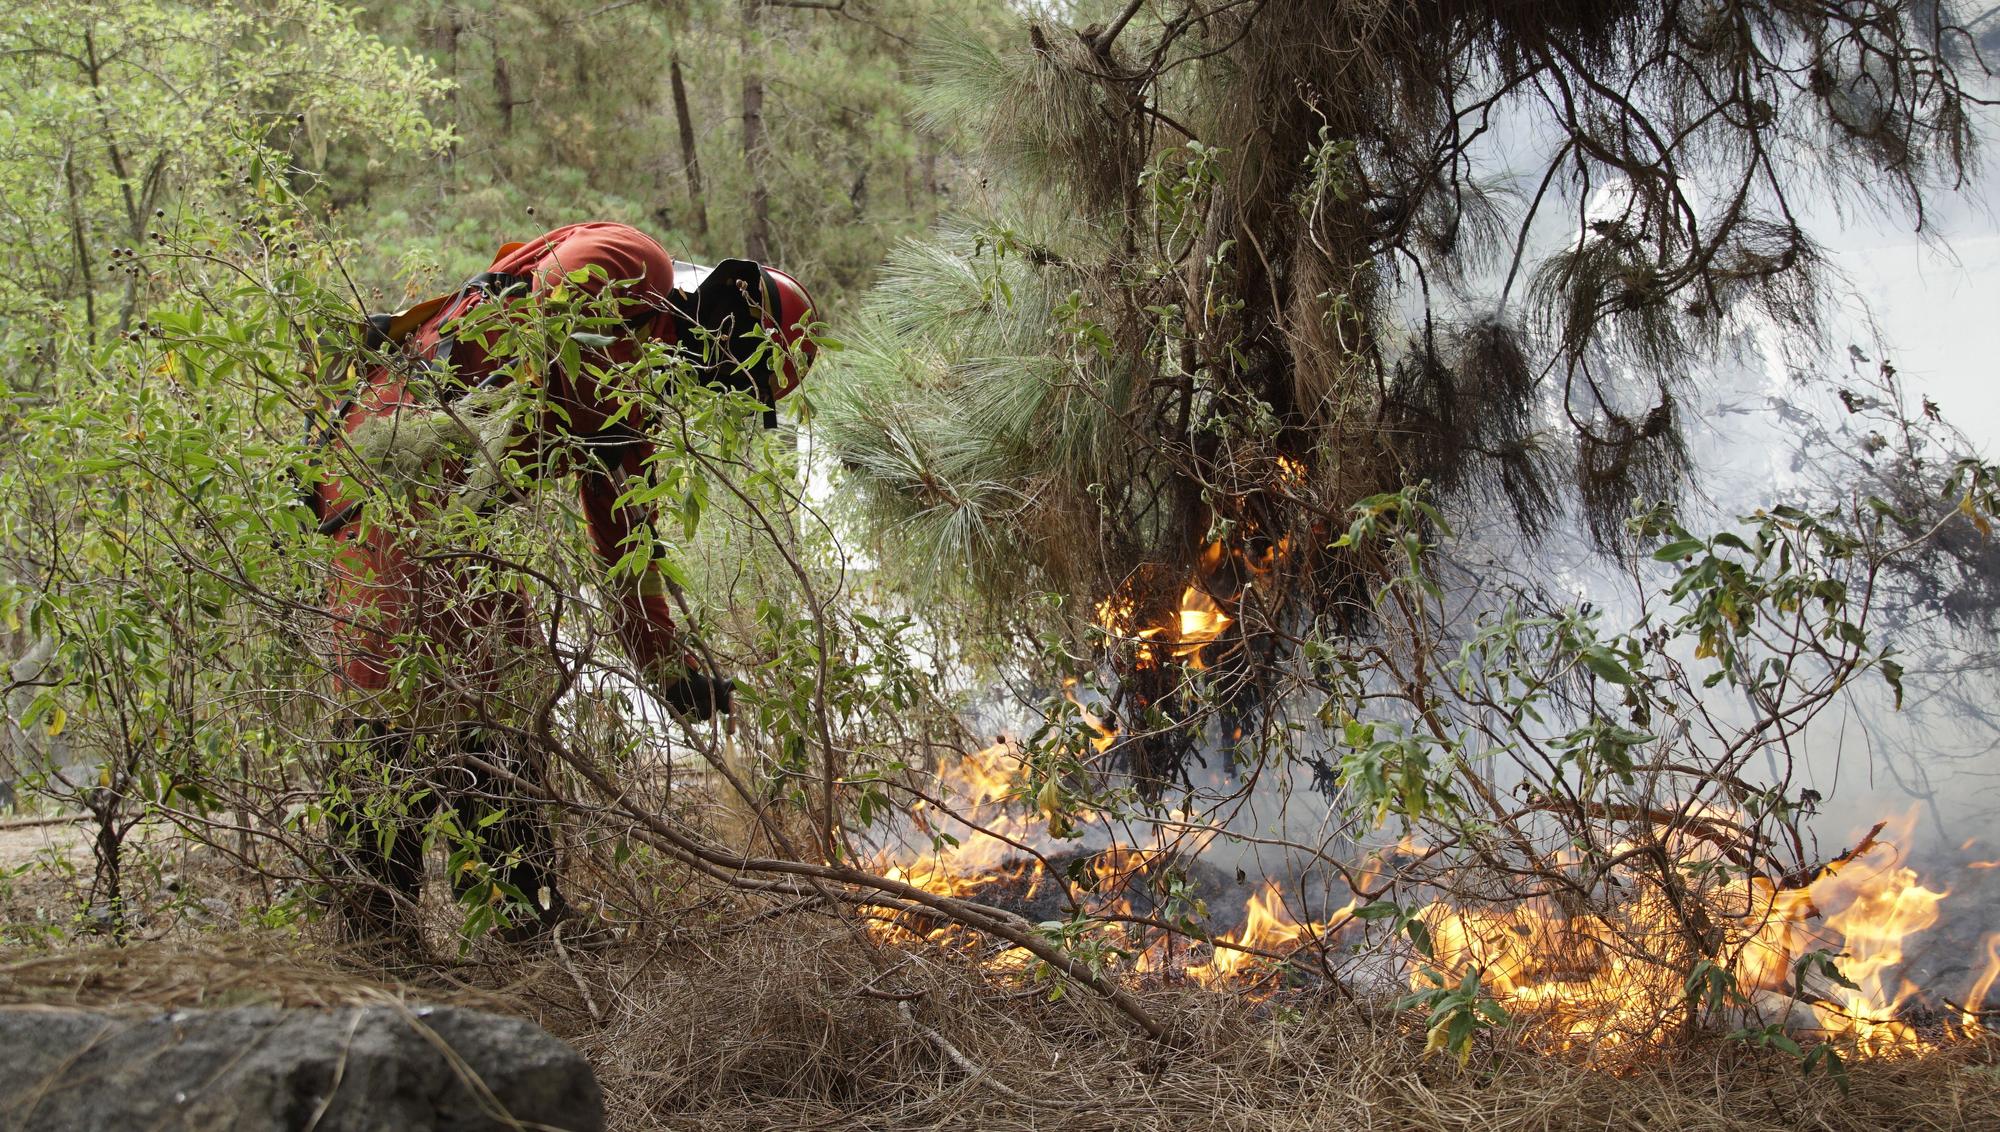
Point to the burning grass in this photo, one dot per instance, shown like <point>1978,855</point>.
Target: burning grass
<point>781,1027</point>
<point>1820,958</point>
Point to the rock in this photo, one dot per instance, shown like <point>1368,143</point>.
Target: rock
<point>253,1069</point>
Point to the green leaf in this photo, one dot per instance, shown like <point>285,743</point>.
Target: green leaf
<point>1679,549</point>
<point>1602,662</point>
<point>1893,673</point>
<point>1420,938</point>
<point>1834,1066</point>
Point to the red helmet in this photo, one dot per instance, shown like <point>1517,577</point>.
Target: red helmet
<point>724,298</point>
<point>787,321</point>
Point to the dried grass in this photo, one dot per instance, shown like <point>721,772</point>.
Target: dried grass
<point>792,1023</point>
<point>785,1025</point>
<point>215,971</point>
<point>772,1029</point>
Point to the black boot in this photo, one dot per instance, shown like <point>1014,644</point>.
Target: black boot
<point>521,844</point>
<point>377,868</point>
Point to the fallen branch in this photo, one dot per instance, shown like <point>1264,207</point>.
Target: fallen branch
<point>562,956</point>
<point>972,1069</point>
<point>36,823</point>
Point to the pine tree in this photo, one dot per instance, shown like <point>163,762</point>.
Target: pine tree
<point>783,131</point>
<point>1242,265</point>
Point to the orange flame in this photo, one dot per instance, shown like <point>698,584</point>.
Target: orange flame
<point>1106,735</point>
<point>1975,1000</point>
<point>1202,620</point>
<point>1882,911</point>
<point>1198,621</point>
<point>1267,926</point>
<point>1607,980</point>
<point>978,788</point>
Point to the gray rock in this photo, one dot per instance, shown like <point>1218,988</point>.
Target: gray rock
<point>254,1069</point>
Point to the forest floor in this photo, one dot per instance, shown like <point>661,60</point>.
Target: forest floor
<point>24,840</point>
<point>718,1019</point>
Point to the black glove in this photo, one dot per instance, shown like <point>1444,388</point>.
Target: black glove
<point>696,696</point>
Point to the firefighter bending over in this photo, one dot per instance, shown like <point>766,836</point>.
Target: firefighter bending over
<point>421,421</point>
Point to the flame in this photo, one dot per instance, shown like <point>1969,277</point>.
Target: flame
<point>1114,616</point>
<point>1607,980</point>
<point>1263,563</point>
<point>1202,621</point>
<point>1105,735</point>
<point>977,788</point>
<point>1975,999</point>
<point>982,804</point>
<point>1203,613</point>
<point>1198,621</point>
<point>1591,980</point>
<point>1884,910</point>
<point>1267,926</point>
<point>1246,557</point>
<point>1611,979</point>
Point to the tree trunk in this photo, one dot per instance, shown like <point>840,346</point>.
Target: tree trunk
<point>503,92</point>
<point>444,41</point>
<point>690,160</point>
<point>86,275</point>
<point>757,230</point>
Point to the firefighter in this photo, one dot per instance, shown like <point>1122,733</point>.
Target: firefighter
<point>431,418</point>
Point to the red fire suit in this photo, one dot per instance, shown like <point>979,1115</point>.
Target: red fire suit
<point>390,594</point>
<point>395,599</point>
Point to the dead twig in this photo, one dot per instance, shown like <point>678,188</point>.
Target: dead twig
<point>973,1070</point>
<point>37,823</point>
<point>582,988</point>
<point>1804,877</point>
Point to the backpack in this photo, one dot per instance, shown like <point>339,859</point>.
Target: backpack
<point>709,303</point>
<point>379,333</point>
